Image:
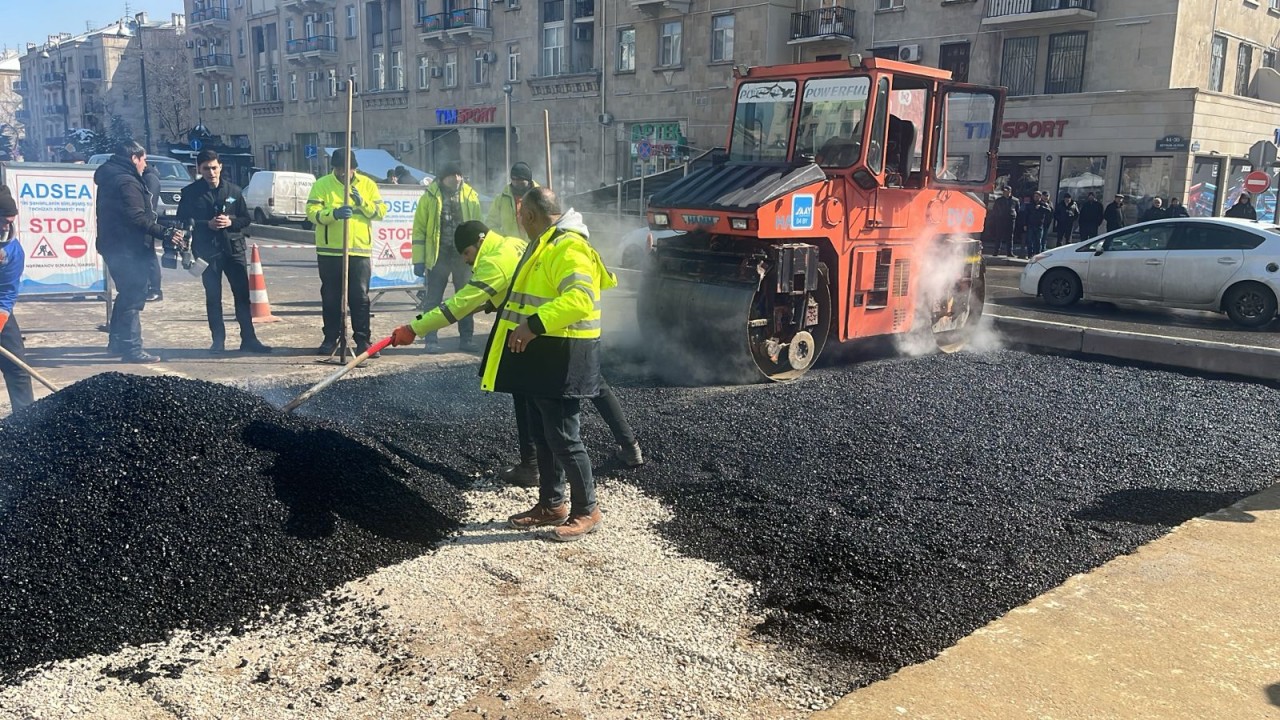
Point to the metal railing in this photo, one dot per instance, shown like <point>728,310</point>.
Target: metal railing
<point>472,17</point>
<point>20,86</point>
<point>53,77</point>
<point>821,22</point>
<point>584,9</point>
<point>1002,8</point>
<point>91,74</point>
<point>212,60</point>
<point>315,43</point>
<point>55,109</point>
<point>211,13</point>
<point>94,107</point>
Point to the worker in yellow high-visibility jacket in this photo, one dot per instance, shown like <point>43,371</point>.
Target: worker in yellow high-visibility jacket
<point>503,209</point>
<point>546,347</point>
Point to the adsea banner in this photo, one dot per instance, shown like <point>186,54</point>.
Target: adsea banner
<point>57,228</point>
<point>392,264</point>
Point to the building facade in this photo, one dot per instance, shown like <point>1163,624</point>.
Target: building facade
<point>11,124</point>
<point>84,81</point>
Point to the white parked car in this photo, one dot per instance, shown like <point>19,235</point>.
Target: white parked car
<point>1221,265</point>
<point>273,196</point>
<point>634,246</point>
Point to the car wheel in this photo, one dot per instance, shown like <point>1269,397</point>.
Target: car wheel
<point>1250,304</point>
<point>1060,287</point>
<point>259,216</point>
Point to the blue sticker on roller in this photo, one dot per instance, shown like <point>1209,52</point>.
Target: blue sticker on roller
<point>802,212</point>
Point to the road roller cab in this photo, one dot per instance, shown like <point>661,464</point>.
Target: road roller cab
<point>850,204</point>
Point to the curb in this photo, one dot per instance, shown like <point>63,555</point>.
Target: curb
<point>274,232</point>
<point>1259,363</point>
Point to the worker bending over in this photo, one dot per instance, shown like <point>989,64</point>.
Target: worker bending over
<point>12,263</point>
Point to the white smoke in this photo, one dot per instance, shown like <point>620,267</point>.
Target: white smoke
<point>935,276</point>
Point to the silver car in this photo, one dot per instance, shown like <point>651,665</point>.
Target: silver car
<point>1221,265</point>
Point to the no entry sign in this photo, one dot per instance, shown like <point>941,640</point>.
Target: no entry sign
<point>406,251</point>
<point>75,246</point>
<point>1257,182</point>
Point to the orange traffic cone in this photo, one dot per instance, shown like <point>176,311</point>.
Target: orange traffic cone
<point>259,305</point>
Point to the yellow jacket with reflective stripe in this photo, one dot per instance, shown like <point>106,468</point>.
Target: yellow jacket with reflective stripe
<point>326,196</point>
<point>491,276</point>
<point>502,214</point>
<point>557,290</point>
<point>426,221</point>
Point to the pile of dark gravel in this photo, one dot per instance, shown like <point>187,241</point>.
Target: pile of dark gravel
<point>886,509</point>
<point>132,506</point>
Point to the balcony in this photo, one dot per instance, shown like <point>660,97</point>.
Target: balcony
<point>573,83</point>
<point>316,47</point>
<point>584,10</point>
<point>306,5</point>
<point>461,25</point>
<point>653,7</point>
<point>212,64</point>
<point>53,78</point>
<point>209,17</point>
<point>91,74</point>
<point>94,107</point>
<point>20,86</point>
<point>819,24</point>
<point>55,109</point>
<point>1013,13</point>
<point>22,116</point>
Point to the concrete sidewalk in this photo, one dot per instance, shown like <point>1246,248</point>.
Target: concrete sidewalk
<point>1187,626</point>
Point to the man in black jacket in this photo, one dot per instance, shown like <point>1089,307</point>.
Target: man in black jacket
<point>127,231</point>
<point>1090,217</point>
<point>1243,208</point>
<point>1002,219</point>
<point>1114,214</point>
<point>217,209</point>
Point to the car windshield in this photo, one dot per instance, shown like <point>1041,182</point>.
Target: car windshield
<point>762,121</point>
<point>170,170</point>
<point>831,116</point>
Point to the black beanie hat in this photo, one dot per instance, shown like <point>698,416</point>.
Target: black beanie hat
<point>339,159</point>
<point>8,206</point>
<point>521,171</point>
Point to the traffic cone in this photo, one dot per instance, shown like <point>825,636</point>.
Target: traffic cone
<point>259,305</point>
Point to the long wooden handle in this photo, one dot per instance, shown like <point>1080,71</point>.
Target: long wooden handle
<point>14,359</point>
<point>375,348</point>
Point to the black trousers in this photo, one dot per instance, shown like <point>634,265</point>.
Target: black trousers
<point>237,273</point>
<point>153,282</point>
<point>606,404</point>
<point>16,380</point>
<point>562,458</point>
<point>1088,233</point>
<point>131,272</point>
<point>357,297</point>
<point>448,265</point>
<point>1003,236</point>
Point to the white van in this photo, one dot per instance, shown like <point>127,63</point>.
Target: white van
<point>274,196</point>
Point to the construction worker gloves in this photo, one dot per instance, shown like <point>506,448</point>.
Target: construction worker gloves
<point>402,336</point>
<point>343,213</point>
<point>419,269</point>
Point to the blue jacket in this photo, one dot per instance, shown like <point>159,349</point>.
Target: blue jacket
<point>11,267</point>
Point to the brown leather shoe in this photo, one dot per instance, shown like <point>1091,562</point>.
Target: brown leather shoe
<point>578,526</point>
<point>539,516</point>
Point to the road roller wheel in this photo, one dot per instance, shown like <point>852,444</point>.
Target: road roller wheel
<point>955,317</point>
<point>786,357</point>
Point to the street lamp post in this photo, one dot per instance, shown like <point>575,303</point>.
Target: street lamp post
<point>506,122</point>
<point>146,107</point>
<point>244,95</point>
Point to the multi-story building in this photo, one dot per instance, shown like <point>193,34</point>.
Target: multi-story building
<point>1143,97</point>
<point>83,81</point>
<point>11,115</point>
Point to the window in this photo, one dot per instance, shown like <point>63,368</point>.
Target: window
<point>1195,236</point>
<point>627,50</point>
<point>1217,62</point>
<point>831,120</point>
<point>201,96</point>
<point>955,57</point>
<point>1150,237</point>
<point>762,120</point>
<point>275,85</point>
<point>264,89</point>
<point>333,81</point>
<point>424,72</point>
<point>1141,180</point>
<point>288,30</point>
<point>1244,68</point>
<point>553,11</point>
<point>480,67</point>
<point>1203,195</point>
<point>1079,176</point>
<point>1065,70</point>
<point>216,89</point>
<point>313,83</point>
<point>722,38</point>
<point>397,70</point>
<point>351,74</point>
<point>1018,65</point>
<point>552,50</point>
<point>1269,57</point>
<point>308,26</point>
<point>513,62</point>
<point>293,86</point>
<point>967,158</point>
<point>451,69</point>
<point>670,52</point>
<point>328,25</point>
<point>351,21</point>
<point>240,40</point>
<point>890,4</point>
<point>244,90</point>
<point>377,73</point>
<point>231,101</point>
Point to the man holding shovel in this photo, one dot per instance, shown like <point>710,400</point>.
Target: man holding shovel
<point>12,263</point>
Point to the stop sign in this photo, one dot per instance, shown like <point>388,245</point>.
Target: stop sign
<point>1257,182</point>
<point>75,246</point>
<point>406,251</point>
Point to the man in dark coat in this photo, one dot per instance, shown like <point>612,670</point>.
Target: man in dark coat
<point>1064,219</point>
<point>1176,209</point>
<point>1155,212</point>
<point>1114,214</point>
<point>1090,217</point>
<point>1243,208</point>
<point>217,210</point>
<point>127,231</point>
<point>1002,219</point>
<point>1039,219</point>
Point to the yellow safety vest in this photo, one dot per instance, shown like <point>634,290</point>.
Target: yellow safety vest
<point>560,283</point>
<point>425,239</point>
<point>495,262</point>
<point>326,196</point>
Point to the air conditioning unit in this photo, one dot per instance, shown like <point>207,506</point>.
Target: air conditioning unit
<point>437,72</point>
<point>909,53</point>
<point>284,147</point>
<point>605,119</point>
<point>582,31</point>
<point>404,146</point>
<point>269,147</point>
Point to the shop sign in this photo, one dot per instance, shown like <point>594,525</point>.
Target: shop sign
<point>1171,143</point>
<point>466,116</point>
<point>1015,129</point>
<point>656,140</point>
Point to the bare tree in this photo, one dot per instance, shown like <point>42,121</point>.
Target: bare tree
<point>168,72</point>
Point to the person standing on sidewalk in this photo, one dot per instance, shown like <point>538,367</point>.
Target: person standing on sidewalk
<point>1090,217</point>
<point>127,231</point>
<point>1176,209</point>
<point>1114,214</point>
<point>447,203</point>
<point>1243,208</point>
<point>218,211</point>
<point>151,178</point>
<point>1039,218</point>
<point>1064,219</point>
<point>1004,219</point>
<point>12,263</point>
<point>328,211</point>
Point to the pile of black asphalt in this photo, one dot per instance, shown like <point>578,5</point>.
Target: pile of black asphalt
<point>131,507</point>
<point>886,509</point>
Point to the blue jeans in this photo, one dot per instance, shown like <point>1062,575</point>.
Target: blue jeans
<point>555,424</point>
<point>130,270</point>
<point>1035,240</point>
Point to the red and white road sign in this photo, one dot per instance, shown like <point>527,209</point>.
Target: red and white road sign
<point>1257,182</point>
<point>75,246</point>
<point>406,251</point>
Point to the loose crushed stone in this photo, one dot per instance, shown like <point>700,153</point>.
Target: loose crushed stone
<point>134,506</point>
